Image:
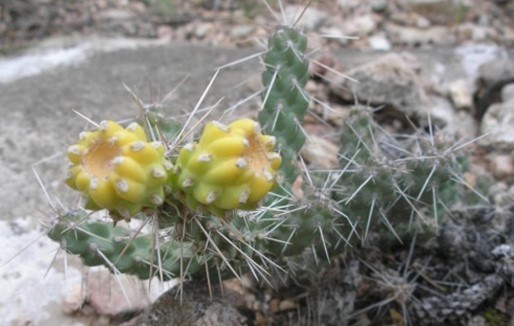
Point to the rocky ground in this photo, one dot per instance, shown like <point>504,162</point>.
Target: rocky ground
<point>446,66</point>
<point>378,24</point>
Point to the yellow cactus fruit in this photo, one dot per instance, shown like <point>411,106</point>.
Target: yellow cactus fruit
<point>230,167</point>
<point>117,169</point>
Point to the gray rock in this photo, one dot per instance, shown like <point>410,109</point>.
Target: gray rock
<point>311,19</point>
<point>492,77</point>
<point>194,307</point>
<point>387,80</point>
<point>378,5</point>
<point>508,92</point>
<point>495,71</point>
<point>498,123</point>
<point>458,123</point>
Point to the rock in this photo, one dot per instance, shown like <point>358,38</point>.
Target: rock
<point>495,71</point>
<point>320,153</point>
<point>438,35</point>
<point>194,307</point>
<point>460,94</point>
<point>104,295</point>
<point>360,25</point>
<point>202,29</point>
<point>388,80</point>
<point>502,166</point>
<point>348,4</point>
<point>321,65</point>
<point>442,12</point>
<point>335,34</point>
<point>411,19</point>
<point>379,42</point>
<point>241,31</point>
<point>492,77</point>
<point>508,92</point>
<point>311,19</point>
<point>116,15</point>
<point>474,32</point>
<point>459,124</point>
<point>498,122</point>
<point>378,5</point>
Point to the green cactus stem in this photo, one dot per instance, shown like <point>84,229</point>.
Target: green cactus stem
<point>285,101</point>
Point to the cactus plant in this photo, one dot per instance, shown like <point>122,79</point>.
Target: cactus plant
<point>399,187</point>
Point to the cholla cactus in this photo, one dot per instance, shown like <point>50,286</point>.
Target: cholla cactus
<point>117,169</point>
<point>232,168</point>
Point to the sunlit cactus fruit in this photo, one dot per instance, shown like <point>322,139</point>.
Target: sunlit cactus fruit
<point>230,167</point>
<point>117,169</point>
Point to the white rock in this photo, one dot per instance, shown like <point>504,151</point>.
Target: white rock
<point>241,31</point>
<point>413,36</point>
<point>201,30</point>
<point>460,94</point>
<point>360,26</point>
<point>379,42</point>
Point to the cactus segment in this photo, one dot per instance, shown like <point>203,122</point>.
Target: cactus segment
<point>404,185</point>
<point>231,167</point>
<point>117,169</point>
<point>100,243</point>
<point>285,101</point>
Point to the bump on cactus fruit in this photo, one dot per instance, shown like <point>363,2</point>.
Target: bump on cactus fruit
<point>117,169</point>
<point>230,167</point>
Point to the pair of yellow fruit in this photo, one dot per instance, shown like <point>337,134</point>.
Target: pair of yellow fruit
<point>118,169</point>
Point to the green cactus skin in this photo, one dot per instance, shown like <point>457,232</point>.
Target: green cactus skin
<point>285,102</point>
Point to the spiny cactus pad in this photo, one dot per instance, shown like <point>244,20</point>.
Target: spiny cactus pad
<point>230,167</point>
<point>117,169</point>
